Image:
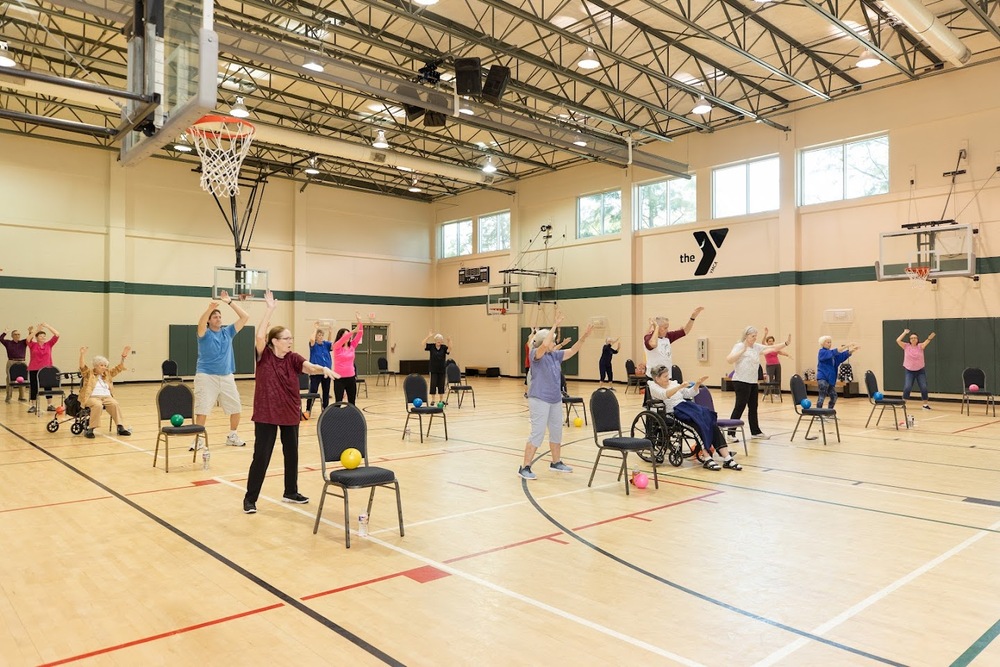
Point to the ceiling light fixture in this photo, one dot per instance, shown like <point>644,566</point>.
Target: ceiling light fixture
<point>5,59</point>
<point>589,59</point>
<point>413,185</point>
<point>579,140</point>
<point>464,107</point>
<point>313,66</point>
<point>239,109</point>
<point>488,166</point>
<point>380,141</point>
<point>868,59</point>
<point>312,169</point>
<point>182,145</point>
<point>426,3</point>
<point>701,106</point>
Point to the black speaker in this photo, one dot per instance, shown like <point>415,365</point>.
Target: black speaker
<point>468,76</point>
<point>496,83</point>
<point>413,112</point>
<point>435,119</point>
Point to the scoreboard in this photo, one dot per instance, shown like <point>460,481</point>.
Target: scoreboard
<point>473,275</point>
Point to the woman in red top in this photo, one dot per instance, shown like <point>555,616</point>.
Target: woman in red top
<point>277,405</point>
<point>40,357</point>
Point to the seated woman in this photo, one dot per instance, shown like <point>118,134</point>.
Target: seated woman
<point>95,391</point>
<point>663,388</point>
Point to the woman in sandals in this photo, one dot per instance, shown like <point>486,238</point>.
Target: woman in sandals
<point>705,421</point>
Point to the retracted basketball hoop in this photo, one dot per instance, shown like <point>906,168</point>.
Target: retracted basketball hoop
<point>917,274</point>
<point>222,142</point>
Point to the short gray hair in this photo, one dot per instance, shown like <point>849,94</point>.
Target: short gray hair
<point>98,360</point>
<point>823,339</point>
<point>749,331</point>
<point>438,337</point>
<point>540,337</point>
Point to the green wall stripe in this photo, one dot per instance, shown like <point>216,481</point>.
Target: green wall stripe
<point>854,274</point>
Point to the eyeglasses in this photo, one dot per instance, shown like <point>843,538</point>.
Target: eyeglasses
<point>285,338</point>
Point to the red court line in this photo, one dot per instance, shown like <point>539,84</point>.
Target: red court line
<point>421,575</point>
<point>65,502</point>
<point>973,428</point>
<point>639,514</point>
<point>162,635</point>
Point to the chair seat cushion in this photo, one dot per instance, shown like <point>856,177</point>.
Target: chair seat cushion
<point>572,399</point>
<point>427,410</point>
<point>625,442</point>
<point>820,412</point>
<point>362,476</point>
<point>890,401</point>
<point>723,423</point>
<point>187,429</point>
<point>461,387</point>
<point>309,396</point>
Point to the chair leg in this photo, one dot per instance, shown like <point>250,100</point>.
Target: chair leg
<point>822,426</point>
<point>870,414</point>
<point>444,418</point>
<point>371,499</point>
<point>399,508</point>
<point>624,471</point>
<point>347,520</point>
<point>743,434</point>
<point>474,399</point>
<point>319,512</point>
<point>406,425</point>
<point>585,422</point>
<point>795,430</point>
<point>836,425</point>
<point>600,453</point>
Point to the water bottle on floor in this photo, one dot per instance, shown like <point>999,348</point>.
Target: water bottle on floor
<point>205,458</point>
<point>363,525</point>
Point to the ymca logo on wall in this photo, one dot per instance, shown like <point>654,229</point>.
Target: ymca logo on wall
<point>709,242</point>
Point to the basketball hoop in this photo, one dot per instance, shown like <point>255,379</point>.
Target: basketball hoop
<point>497,310</point>
<point>917,274</point>
<point>222,142</point>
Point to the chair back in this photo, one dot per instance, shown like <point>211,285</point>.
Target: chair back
<point>303,382</point>
<point>341,426</point>
<point>414,386</point>
<point>676,374</point>
<point>704,398</point>
<point>48,377</point>
<point>169,367</point>
<point>175,398</point>
<point>871,385</point>
<point>453,372</point>
<point>630,367</point>
<point>973,376</point>
<point>798,387</point>
<point>383,364</point>
<point>18,370</point>
<point>605,415</point>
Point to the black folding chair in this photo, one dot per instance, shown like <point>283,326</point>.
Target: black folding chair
<point>415,386</point>
<point>871,388</point>
<point>606,416</point>
<point>175,398</point>
<point>342,426</point>
<point>799,394</point>
<point>456,385</point>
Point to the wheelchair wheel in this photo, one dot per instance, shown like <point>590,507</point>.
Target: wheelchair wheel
<point>52,426</point>
<point>649,425</point>
<point>76,428</point>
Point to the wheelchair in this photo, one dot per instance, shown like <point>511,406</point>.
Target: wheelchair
<point>76,413</point>
<point>673,440</point>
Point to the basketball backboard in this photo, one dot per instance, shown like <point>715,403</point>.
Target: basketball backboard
<point>174,53</point>
<point>243,284</point>
<point>504,299</point>
<point>943,250</point>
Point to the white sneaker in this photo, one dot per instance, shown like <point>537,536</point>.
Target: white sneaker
<point>732,439</point>
<point>234,440</point>
<point>759,436</point>
<point>198,444</point>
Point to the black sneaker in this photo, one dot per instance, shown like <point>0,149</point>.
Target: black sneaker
<point>123,431</point>
<point>297,498</point>
<point>89,433</point>
<point>249,506</point>
<point>51,408</point>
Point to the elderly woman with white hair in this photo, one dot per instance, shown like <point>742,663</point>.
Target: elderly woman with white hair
<point>545,396</point>
<point>96,389</point>
<point>437,347</point>
<point>827,362</point>
<point>745,357</point>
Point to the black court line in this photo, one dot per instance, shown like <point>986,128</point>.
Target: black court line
<point>701,596</point>
<point>289,600</point>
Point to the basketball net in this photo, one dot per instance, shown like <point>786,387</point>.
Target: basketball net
<point>917,275</point>
<point>222,142</point>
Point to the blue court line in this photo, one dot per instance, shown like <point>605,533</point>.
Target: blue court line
<point>977,647</point>
<point>289,600</point>
<point>696,594</point>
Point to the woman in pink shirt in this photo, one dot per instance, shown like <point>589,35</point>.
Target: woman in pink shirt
<point>913,364</point>
<point>40,356</point>
<point>343,363</point>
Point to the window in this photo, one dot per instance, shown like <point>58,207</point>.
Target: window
<point>845,171</point>
<point>456,238</point>
<point>747,187</point>
<point>663,203</point>
<point>494,232</point>
<point>598,215</point>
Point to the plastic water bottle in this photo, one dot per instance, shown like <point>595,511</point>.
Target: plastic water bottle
<point>406,433</point>
<point>206,456</point>
<point>912,420</point>
<point>363,525</point>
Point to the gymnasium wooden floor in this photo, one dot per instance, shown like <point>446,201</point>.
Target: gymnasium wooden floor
<point>880,549</point>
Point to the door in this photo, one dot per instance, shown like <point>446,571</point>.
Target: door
<point>374,344</point>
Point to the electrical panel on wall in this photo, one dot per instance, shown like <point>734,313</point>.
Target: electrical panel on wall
<point>702,349</point>
<point>473,275</point>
